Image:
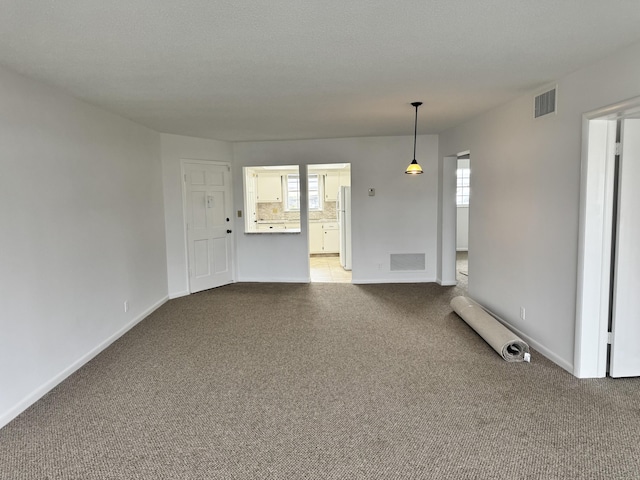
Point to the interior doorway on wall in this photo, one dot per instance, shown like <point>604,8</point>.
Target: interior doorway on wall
<point>330,253</point>
<point>463,196</point>
<point>606,306</point>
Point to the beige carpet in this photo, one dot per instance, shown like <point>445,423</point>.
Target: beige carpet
<point>321,381</point>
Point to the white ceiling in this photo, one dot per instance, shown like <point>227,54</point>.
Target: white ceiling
<point>290,69</point>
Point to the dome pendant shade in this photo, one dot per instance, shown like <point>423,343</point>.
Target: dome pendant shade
<point>414,167</point>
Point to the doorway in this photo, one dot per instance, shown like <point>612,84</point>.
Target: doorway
<point>329,227</point>
<point>607,329</point>
<point>463,195</point>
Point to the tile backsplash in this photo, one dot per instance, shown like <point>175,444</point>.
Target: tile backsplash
<point>276,211</point>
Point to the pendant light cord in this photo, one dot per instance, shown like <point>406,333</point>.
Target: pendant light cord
<point>415,133</point>
<point>414,167</point>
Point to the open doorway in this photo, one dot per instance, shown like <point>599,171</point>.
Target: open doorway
<point>329,222</point>
<point>463,190</point>
<point>607,302</point>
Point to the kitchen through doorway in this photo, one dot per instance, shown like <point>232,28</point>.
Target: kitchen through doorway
<point>329,214</point>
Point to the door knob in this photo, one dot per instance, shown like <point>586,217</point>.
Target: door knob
<point>228,231</point>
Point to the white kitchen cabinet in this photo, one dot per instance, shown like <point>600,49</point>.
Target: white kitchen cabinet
<point>284,227</point>
<point>269,188</point>
<point>315,238</point>
<point>250,212</point>
<point>331,186</point>
<point>333,181</point>
<point>324,237</point>
<point>331,243</point>
<point>266,227</point>
<point>292,226</point>
<point>330,238</point>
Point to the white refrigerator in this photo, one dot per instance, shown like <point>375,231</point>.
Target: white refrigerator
<point>344,221</point>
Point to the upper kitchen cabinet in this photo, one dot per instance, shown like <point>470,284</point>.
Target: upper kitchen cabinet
<point>334,176</point>
<point>269,187</point>
<point>345,178</point>
<point>331,186</point>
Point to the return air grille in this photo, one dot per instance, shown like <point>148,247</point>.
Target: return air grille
<point>544,104</point>
<point>402,262</point>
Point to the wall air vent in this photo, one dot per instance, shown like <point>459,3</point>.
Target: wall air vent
<point>404,262</point>
<point>545,103</point>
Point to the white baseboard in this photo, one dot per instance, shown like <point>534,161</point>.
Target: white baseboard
<point>184,293</point>
<point>39,392</point>
<point>275,280</point>
<point>359,281</point>
<point>561,362</point>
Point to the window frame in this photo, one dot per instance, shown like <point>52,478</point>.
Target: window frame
<point>287,192</point>
<point>463,189</point>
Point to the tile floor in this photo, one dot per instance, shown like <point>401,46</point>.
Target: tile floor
<point>327,269</point>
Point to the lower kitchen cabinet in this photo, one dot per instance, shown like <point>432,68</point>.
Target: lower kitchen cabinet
<point>265,227</point>
<point>331,239</point>
<point>324,238</point>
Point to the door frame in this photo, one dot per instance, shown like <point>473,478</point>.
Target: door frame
<point>594,238</point>
<point>447,220</point>
<point>183,187</point>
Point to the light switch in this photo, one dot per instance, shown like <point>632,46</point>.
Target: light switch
<point>372,192</point>
<point>239,213</point>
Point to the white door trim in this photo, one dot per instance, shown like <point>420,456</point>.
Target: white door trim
<point>447,211</point>
<point>594,238</point>
<point>183,162</point>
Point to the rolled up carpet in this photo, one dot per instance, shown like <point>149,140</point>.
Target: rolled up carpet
<point>508,345</point>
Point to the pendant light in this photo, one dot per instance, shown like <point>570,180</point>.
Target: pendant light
<point>414,167</point>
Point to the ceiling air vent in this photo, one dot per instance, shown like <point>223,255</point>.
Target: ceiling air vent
<point>545,103</point>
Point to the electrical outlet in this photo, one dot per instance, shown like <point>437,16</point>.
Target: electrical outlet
<point>126,306</point>
<point>523,313</point>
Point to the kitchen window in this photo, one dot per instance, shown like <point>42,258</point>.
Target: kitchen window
<point>293,192</point>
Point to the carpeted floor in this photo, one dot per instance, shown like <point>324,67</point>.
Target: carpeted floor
<point>321,381</point>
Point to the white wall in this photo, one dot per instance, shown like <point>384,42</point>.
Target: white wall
<point>82,230</point>
<point>524,224</point>
<point>400,218</point>
<point>462,231</point>
<point>175,148</point>
<point>462,217</point>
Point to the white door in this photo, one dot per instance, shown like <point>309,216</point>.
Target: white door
<point>625,345</point>
<point>208,216</point>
